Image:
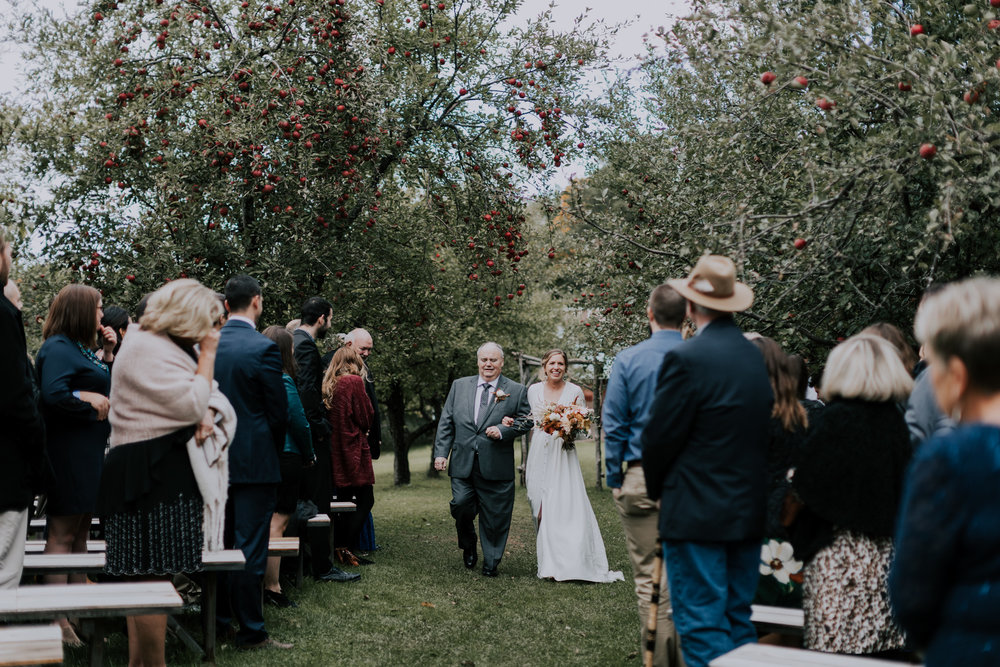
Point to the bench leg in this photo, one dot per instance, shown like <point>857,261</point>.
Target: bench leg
<point>209,600</point>
<point>185,637</point>
<point>301,558</point>
<point>94,629</point>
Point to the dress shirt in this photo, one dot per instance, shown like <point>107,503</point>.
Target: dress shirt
<point>628,398</point>
<point>490,386</point>
<point>241,318</point>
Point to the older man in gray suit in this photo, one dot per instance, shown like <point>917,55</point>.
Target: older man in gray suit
<point>471,430</point>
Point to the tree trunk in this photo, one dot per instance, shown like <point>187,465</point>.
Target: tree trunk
<point>396,407</point>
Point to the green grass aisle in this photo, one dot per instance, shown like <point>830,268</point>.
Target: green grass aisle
<point>419,606</point>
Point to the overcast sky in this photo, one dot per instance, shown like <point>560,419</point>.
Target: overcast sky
<point>642,13</point>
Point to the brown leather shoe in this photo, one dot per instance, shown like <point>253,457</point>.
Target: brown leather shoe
<point>346,557</point>
<point>270,642</point>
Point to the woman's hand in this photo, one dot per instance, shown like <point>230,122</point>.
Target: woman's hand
<point>205,428</point>
<point>108,339</point>
<point>99,402</point>
<point>209,342</point>
<point>507,421</point>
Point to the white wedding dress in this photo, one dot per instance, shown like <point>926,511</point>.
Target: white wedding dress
<point>568,542</point>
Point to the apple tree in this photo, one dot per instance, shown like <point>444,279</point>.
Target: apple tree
<point>376,152</point>
<point>843,154</point>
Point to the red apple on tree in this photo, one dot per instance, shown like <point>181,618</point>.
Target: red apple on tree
<point>928,151</point>
<point>800,244</point>
<point>767,78</point>
<point>916,29</point>
<point>799,82</point>
<point>825,104</point>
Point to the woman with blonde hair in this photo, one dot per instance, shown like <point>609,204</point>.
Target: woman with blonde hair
<point>163,491</point>
<point>22,440</point>
<point>74,386</point>
<point>849,477</point>
<point>350,413</point>
<point>568,541</point>
<point>944,579</point>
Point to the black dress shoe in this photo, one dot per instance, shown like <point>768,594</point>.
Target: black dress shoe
<point>225,634</point>
<point>470,557</point>
<point>489,571</point>
<point>279,600</point>
<point>338,575</point>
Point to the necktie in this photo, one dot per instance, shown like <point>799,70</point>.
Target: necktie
<point>484,398</point>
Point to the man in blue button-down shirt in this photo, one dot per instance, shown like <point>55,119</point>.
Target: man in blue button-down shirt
<point>626,409</point>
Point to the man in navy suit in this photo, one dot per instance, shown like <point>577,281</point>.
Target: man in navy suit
<point>248,369</point>
<point>704,454</point>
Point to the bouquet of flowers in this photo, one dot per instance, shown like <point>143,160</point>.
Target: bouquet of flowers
<point>566,421</point>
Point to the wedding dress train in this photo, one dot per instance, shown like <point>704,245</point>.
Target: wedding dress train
<point>568,542</point>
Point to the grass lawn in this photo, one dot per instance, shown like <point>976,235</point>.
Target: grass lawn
<point>418,605</point>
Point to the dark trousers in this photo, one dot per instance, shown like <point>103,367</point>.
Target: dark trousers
<point>350,524</point>
<point>248,525</point>
<point>711,587</point>
<point>318,485</point>
<point>493,501</point>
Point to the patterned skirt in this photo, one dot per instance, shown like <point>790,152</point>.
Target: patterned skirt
<point>846,597</point>
<point>151,508</point>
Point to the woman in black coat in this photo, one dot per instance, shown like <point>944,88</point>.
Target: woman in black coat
<point>781,579</point>
<point>944,582</point>
<point>75,385</point>
<point>22,437</point>
<point>849,476</point>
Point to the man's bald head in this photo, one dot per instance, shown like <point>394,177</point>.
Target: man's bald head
<point>360,341</point>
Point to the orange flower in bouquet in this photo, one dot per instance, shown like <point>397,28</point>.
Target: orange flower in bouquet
<point>568,422</point>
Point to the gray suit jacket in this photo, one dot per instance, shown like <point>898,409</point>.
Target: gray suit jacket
<point>460,436</point>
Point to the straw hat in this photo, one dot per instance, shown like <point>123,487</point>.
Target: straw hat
<point>712,283</point>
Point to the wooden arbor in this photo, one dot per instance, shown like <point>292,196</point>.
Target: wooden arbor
<point>527,365</point>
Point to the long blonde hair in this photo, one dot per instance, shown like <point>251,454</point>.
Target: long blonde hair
<point>345,362</point>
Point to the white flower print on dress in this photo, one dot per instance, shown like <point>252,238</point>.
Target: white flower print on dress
<point>776,560</point>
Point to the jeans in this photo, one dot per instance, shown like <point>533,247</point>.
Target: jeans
<point>711,586</point>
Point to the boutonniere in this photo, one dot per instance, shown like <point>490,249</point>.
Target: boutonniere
<point>500,395</point>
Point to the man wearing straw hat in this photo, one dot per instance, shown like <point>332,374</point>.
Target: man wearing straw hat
<point>704,454</point>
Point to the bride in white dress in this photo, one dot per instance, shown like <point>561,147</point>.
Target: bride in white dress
<point>569,543</point>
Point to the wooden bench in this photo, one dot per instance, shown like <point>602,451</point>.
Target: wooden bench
<point>38,546</point>
<point>320,522</point>
<point>30,645</point>
<point>278,546</point>
<point>785,620</point>
<point>342,506</point>
<point>89,602</point>
<point>213,562</point>
<point>763,655</point>
<point>38,525</point>
<point>283,546</point>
